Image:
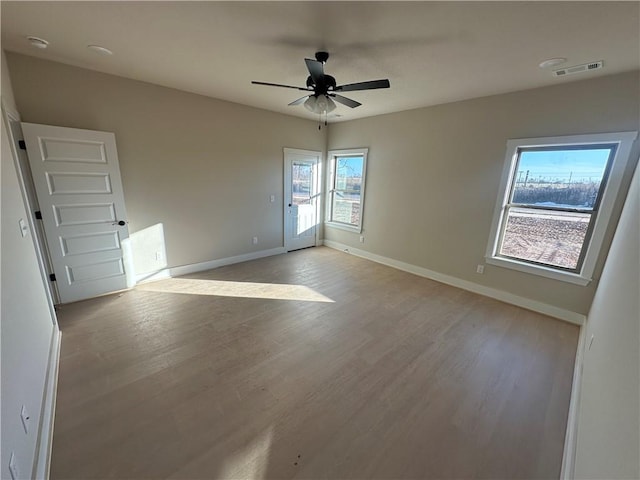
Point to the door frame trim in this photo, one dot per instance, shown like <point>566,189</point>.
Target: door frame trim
<point>10,117</point>
<point>320,155</point>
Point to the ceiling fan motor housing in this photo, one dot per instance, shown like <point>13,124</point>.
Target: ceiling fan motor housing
<point>323,85</point>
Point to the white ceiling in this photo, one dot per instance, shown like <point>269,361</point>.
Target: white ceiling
<point>432,52</point>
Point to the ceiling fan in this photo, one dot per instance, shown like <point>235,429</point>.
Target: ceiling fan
<point>323,87</point>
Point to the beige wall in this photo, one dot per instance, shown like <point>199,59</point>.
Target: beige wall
<point>202,168</point>
<point>26,325</point>
<point>608,432</point>
<point>433,175</point>
<point>7,90</point>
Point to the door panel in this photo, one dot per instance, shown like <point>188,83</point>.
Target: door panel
<point>95,271</point>
<point>77,181</point>
<point>301,198</point>
<point>89,243</point>
<point>66,215</point>
<point>65,150</point>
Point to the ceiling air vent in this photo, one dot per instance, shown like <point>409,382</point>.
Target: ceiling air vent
<point>585,67</point>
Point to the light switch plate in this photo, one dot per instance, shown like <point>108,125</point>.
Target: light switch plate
<point>24,229</point>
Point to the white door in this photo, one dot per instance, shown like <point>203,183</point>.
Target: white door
<point>301,202</point>
<point>77,181</point>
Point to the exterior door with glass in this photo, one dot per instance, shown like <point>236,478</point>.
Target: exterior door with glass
<point>301,198</point>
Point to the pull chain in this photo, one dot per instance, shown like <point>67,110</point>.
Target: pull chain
<point>320,120</point>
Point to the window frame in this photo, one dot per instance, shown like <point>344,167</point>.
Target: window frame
<point>332,156</point>
<point>612,180</point>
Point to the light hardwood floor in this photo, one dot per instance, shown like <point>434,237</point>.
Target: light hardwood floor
<point>314,364</point>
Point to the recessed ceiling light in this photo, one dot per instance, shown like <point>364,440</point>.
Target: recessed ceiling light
<point>99,50</point>
<point>37,42</point>
<point>552,62</point>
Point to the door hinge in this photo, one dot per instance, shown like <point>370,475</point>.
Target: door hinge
<point>38,215</point>
<point>22,145</point>
<point>52,277</point>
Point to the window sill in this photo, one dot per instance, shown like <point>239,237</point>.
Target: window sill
<point>569,277</point>
<point>343,226</point>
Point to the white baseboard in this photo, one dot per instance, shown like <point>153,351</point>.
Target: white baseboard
<point>571,434</point>
<point>199,267</point>
<point>501,295</point>
<point>45,439</point>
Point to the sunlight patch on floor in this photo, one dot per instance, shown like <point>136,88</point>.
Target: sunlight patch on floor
<point>250,462</point>
<point>221,288</point>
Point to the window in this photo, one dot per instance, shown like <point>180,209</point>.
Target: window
<point>555,202</point>
<point>346,188</point>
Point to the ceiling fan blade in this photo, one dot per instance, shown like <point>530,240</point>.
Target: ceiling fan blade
<point>345,101</point>
<point>316,70</point>
<point>298,101</point>
<point>371,85</point>
<point>283,86</point>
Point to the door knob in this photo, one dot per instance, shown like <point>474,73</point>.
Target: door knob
<point>122,223</point>
<point>289,204</point>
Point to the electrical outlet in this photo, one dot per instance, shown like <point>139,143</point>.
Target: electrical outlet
<point>361,238</point>
<point>254,240</point>
<point>24,415</point>
<point>272,198</point>
<point>480,269</point>
<point>13,467</point>
<point>158,256</point>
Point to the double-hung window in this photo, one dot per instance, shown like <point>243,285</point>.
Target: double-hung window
<point>555,202</point>
<point>345,199</point>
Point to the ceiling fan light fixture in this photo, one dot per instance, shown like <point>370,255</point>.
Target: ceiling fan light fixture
<point>319,104</point>
<point>310,103</point>
<point>325,104</point>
